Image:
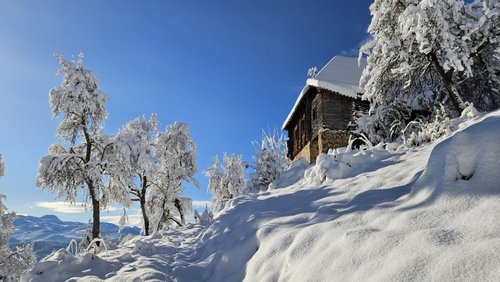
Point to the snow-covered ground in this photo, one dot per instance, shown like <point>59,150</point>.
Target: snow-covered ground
<point>426,214</point>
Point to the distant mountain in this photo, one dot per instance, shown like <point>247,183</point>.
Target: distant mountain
<point>50,233</point>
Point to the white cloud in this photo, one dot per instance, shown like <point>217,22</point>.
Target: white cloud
<point>201,204</point>
<point>133,220</point>
<point>65,207</point>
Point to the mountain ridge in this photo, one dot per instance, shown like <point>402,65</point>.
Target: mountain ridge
<point>49,233</point>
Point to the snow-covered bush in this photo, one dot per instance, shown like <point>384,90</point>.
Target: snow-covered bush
<point>416,133</point>
<point>226,182</point>
<point>12,262</point>
<point>270,160</point>
<point>346,162</point>
<point>85,159</point>
<point>442,125</point>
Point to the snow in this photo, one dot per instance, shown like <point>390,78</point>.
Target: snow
<point>427,214</point>
<point>340,75</point>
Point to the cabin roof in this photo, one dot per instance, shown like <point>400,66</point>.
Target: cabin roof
<point>340,75</point>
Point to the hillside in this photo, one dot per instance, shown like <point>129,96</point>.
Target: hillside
<point>49,233</point>
<point>427,214</point>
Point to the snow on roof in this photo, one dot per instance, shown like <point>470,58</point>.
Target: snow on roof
<point>340,75</point>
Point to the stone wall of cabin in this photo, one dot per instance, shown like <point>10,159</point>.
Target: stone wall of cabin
<point>304,153</point>
<point>327,139</point>
<point>309,152</point>
<point>331,139</point>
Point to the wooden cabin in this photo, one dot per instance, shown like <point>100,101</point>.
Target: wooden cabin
<point>325,110</point>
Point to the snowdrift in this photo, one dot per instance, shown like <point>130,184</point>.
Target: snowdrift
<point>424,214</point>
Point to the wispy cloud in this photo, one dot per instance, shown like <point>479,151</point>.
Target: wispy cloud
<point>350,52</point>
<point>133,220</point>
<point>354,52</point>
<point>201,204</point>
<point>64,207</point>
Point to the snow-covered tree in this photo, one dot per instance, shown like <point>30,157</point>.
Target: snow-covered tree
<point>270,160</point>
<point>483,29</point>
<point>205,217</point>
<point>214,174</point>
<point>139,161</point>
<point>12,262</point>
<point>177,164</point>
<point>156,164</point>
<point>85,161</point>
<point>419,54</point>
<point>226,182</point>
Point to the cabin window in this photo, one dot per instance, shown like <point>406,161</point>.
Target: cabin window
<point>314,113</point>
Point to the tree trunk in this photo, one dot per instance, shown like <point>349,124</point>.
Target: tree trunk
<point>177,204</point>
<point>96,216</point>
<point>164,216</point>
<point>96,219</point>
<point>451,88</point>
<point>145,219</point>
<point>176,221</point>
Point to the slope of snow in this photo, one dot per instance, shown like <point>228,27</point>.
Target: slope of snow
<point>424,214</point>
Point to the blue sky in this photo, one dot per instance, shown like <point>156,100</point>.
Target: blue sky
<point>227,68</point>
